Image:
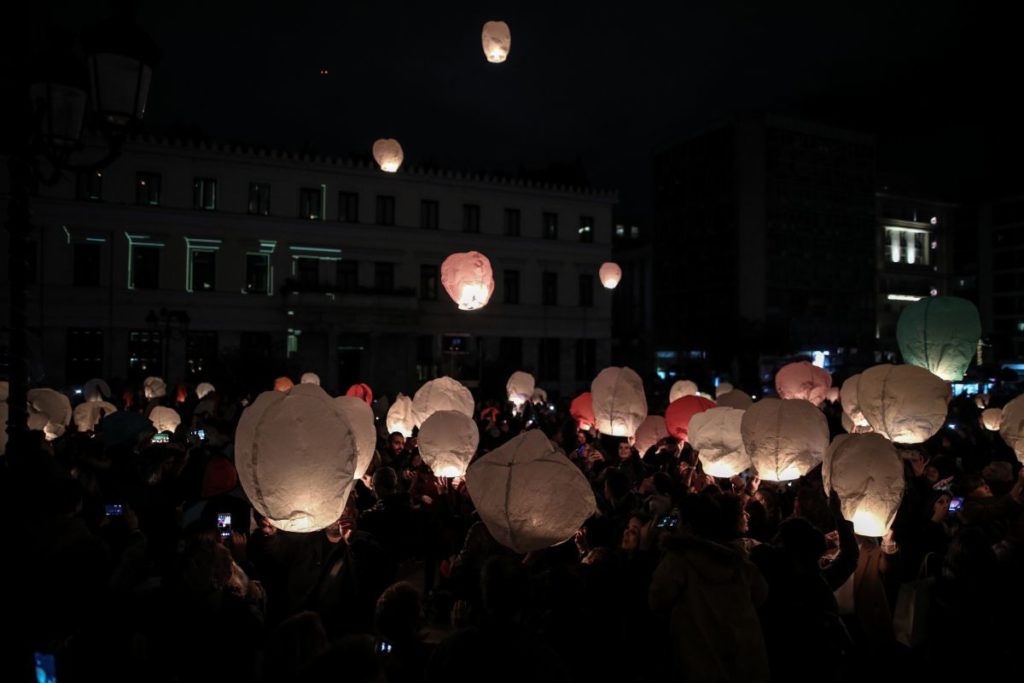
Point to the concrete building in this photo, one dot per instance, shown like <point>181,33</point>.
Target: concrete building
<point>1001,286</point>
<point>205,261</point>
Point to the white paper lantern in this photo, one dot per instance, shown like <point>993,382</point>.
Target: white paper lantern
<point>1012,426</point>
<point>539,396</point>
<point>443,393</point>
<point>715,435</point>
<point>88,414</point>
<point>296,457</point>
<point>903,403</point>
<point>310,378</point>
<point>154,387</point>
<point>96,390</point>
<point>785,438</point>
<point>49,412</point>
<point>650,432</point>
<point>610,275</point>
<point>388,154</point>
<point>735,399</point>
<point>204,389</point>
<point>360,419</point>
<point>447,443</point>
<point>400,416</point>
<point>992,419</point>
<point>722,389</point>
<point>619,402</point>
<point>866,471</point>
<point>529,495</point>
<point>803,380</point>
<point>468,279</point>
<point>683,387</point>
<point>497,41</point>
<point>833,395</point>
<point>851,407</point>
<point>520,388</point>
<point>164,419</point>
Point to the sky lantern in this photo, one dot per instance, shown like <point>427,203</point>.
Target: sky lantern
<point>683,387</point>
<point>468,279</point>
<point>610,274</point>
<point>529,495</point>
<point>520,387</point>
<point>400,417</point>
<point>650,432</point>
<point>447,442</point>
<point>49,412</point>
<point>992,419</point>
<point>361,391</point>
<point>283,384</point>
<point>89,413</point>
<point>866,472</point>
<point>582,410</point>
<point>904,403</point>
<point>154,387</point>
<point>785,438</point>
<point>849,401</point>
<point>681,411</point>
<point>618,400</point>
<point>539,396</point>
<point>164,419</point>
<point>388,154</point>
<point>360,419</point>
<point>443,393</point>
<point>940,334</point>
<point>722,389</point>
<point>96,390</point>
<point>715,435</point>
<point>310,378</point>
<point>803,380</point>
<point>497,41</point>
<point>296,457</point>
<point>735,399</point>
<point>1011,428</point>
<point>833,395</point>
<point>204,389</point>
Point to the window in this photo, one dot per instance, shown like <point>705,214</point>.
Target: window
<point>202,271</point>
<point>90,186</point>
<point>31,262</point>
<point>144,353</point>
<point>549,289</point>
<point>428,282</point>
<point>309,203</point>
<point>348,207</point>
<point>385,209</point>
<point>200,353</point>
<point>906,245</point>
<point>586,290</point>
<point>470,218</point>
<point>586,230</point>
<point>347,276</point>
<point>307,271</point>
<point>84,355</point>
<point>512,222</point>
<point>204,194</point>
<point>586,359</point>
<point>429,212</point>
<point>145,267</point>
<point>620,230</point>
<point>511,286</point>
<point>550,359</point>
<point>259,199</point>
<point>147,189</point>
<point>511,351</point>
<point>383,276</point>
<point>257,273</point>
<point>550,226</point>
<point>86,266</point>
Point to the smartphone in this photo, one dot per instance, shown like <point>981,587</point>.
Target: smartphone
<point>955,504</point>
<point>115,510</point>
<point>199,434</point>
<point>581,449</point>
<point>46,667</point>
<point>384,647</point>
<point>162,437</point>
<point>667,522</point>
<point>224,524</point>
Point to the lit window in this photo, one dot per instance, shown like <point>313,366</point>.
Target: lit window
<point>620,230</point>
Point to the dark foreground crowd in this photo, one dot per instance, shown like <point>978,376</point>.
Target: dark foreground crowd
<point>679,577</point>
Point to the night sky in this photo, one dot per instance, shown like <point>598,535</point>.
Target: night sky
<point>592,89</point>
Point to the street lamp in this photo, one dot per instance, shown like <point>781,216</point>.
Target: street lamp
<point>119,65</point>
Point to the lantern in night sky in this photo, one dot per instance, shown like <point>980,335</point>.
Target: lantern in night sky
<point>610,274</point>
<point>849,401</point>
<point>618,400</point>
<point>360,420</point>
<point>940,334</point>
<point>361,391</point>
<point>904,403</point>
<point>650,432</point>
<point>992,419</point>
<point>310,378</point>
<point>154,387</point>
<point>681,411</point>
<point>283,384</point>
<point>49,412</point>
<point>520,388</point>
<point>722,389</point>
<point>803,380</point>
<point>96,390</point>
<point>388,154</point>
<point>735,399</point>
<point>785,438</point>
<point>443,393</point>
<point>539,396</point>
<point>88,414</point>
<point>468,279</point>
<point>866,472</point>
<point>203,389</point>
<point>497,41</point>
<point>715,435</point>
<point>164,419</point>
<point>400,417</point>
<point>582,410</point>
<point>447,443</point>
<point>683,387</point>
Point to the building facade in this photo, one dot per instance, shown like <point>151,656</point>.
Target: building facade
<point>1001,286</point>
<point>197,261</point>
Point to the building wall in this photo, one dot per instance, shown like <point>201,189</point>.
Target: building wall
<point>1002,282</point>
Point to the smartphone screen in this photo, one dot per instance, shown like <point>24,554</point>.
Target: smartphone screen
<point>224,524</point>
<point>115,510</point>
<point>667,522</point>
<point>955,504</point>
<point>46,667</point>
<point>162,437</point>
<point>383,646</point>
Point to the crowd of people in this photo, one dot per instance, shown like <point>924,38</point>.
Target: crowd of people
<point>134,559</point>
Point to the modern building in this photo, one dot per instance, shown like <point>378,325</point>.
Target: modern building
<point>1001,286</point>
<point>197,261</point>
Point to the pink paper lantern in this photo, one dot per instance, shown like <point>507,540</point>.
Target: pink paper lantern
<point>681,411</point>
<point>388,154</point>
<point>582,410</point>
<point>361,391</point>
<point>610,275</point>
<point>283,384</point>
<point>468,279</point>
<point>803,380</point>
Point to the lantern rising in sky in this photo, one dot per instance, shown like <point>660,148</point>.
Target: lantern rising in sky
<point>618,401</point>
<point>610,274</point>
<point>940,334</point>
<point>447,442</point>
<point>497,41</point>
<point>785,438</point>
<point>866,471</point>
<point>468,279</point>
<point>388,154</point>
<point>400,416</point>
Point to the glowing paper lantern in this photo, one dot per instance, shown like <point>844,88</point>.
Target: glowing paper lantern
<point>940,334</point>
<point>388,154</point>
<point>866,471</point>
<point>538,396</point>
<point>904,403</point>
<point>310,378</point>
<point>650,432</point>
<point>735,399</point>
<point>520,388</point>
<point>803,380</point>
<point>283,384</point>
<point>529,495</point>
<point>992,419</point>
<point>618,400</point>
<point>681,411</point>
<point>849,400</point>
<point>722,389</point>
<point>443,393</point>
<point>683,387</point>
<point>49,412</point>
<point>1012,426</point>
<point>497,41</point>
<point>88,414</point>
<point>400,416</point>
<point>204,389</point>
<point>360,419</point>
<point>582,410</point>
<point>447,442</point>
<point>361,391</point>
<point>164,419</point>
<point>784,438</point>
<point>610,275</point>
<point>154,387</point>
<point>468,279</point>
<point>96,390</point>
<point>296,457</point>
<point>833,395</point>
<point>715,435</point>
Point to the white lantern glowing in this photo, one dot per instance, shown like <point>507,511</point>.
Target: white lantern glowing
<point>1011,428</point>
<point>785,438</point>
<point>96,390</point>
<point>310,378</point>
<point>447,443</point>
<point>904,403</point>
<point>154,387</point>
<point>520,388</point>
<point>360,419</point>
<point>866,472</point>
<point>497,41</point>
<point>388,154</point>
<point>443,393</point>
<point>88,414</point>
<point>529,495</point>
<point>49,412</point>
<point>618,400</point>
<point>649,433</point>
<point>849,401</point>
<point>734,399</point>
<point>715,435</point>
<point>204,389</point>
<point>468,279</point>
<point>803,380</point>
<point>610,275</point>
<point>296,457</point>
<point>683,387</point>
<point>992,419</point>
<point>164,419</point>
<point>400,416</point>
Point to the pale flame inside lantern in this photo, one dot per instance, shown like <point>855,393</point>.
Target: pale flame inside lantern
<point>474,296</point>
<point>867,523</point>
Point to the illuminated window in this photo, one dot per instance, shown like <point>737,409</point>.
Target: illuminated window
<point>90,186</point>
<point>586,230</point>
<point>147,189</point>
<point>310,201</point>
<point>907,245</point>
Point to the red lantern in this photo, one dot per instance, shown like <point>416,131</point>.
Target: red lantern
<point>582,410</point>
<point>283,384</point>
<point>362,391</point>
<point>681,411</point>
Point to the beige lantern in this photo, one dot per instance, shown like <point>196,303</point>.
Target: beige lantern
<point>154,387</point>
<point>649,433</point>
<point>866,472</point>
<point>360,419</point>
<point>400,416</point>
<point>735,399</point>
<point>833,395</point>
<point>683,387</point>
<point>447,443</point>
<point>904,403</point>
<point>388,154</point>
<point>310,378</point>
<point>96,390</point>
<point>992,419</point>
<point>443,393</point>
<point>610,274</point>
<point>497,41</point>
<point>49,412</point>
<point>164,419</point>
<point>715,435</point>
<point>849,401</point>
<point>529,495</point>
<point>803,380</point>
<point>468,279</point>
<point>785,438</point>
<point>1011,428</point>
<point>722,389</point>
<point>204,389</point>
<point>618,400</point>
<point>520,388</point>
<point>296,457</point>
<point>539,396</point>
<point>88,414</point>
